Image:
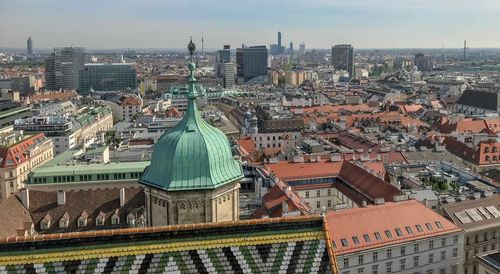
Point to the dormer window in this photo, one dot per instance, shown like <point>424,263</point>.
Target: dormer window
<point>64,220</point>
<point>82,220</point>
<point>486,149</point>
<point>44,224</point>
<point>99,221</point>
<point>131,220</point>
<point>487,158</point>
<point>63,223</point>
<point>115,220</point>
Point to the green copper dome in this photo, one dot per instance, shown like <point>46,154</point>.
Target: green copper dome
<point>192,155</point>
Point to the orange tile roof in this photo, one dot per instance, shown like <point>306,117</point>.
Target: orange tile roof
<point>247,144</point>
<point>131,101</point>
<point>467,125</point>
<point>411,108</point>
<point>287,171</point>
<point>337,108</point>
<point>357,178</point>
<point>356,222</point>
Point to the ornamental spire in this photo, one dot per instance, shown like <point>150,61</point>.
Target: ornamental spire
<point>191,48</point>
<point>192,91</point>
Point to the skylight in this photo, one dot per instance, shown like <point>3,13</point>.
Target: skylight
<point>377,236</point>
<point>367,238</point>
<point>439,225</point>
<point>344,242</point>
<point>355,240</point>
<point>419,228</point>
<point>388,234</point>
<point>399,232</point>
<point>409,230</point>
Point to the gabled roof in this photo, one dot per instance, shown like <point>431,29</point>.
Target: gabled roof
<point>357,222</point>
<point>366,183</point>
<point>353,176</point>
<point>78,204</point>
<point>19,153</point>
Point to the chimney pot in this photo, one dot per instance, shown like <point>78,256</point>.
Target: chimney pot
<point>122,196</point>
<point>61,197</point>
<point>25,197</point>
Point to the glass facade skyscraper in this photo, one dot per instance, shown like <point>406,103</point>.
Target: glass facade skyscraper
<point>343,58</point>
<point>251,62</point>
<point>105,77</point>
<point>62,68</point>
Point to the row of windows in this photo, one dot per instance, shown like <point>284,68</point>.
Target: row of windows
<point>318,193</point>
<point>389,233</point>
<point>416,260</point>
<point>312,181</point>
<point>389,253</point>
<point>389,269</point>
<point>485,237</point>
<point>89,177</point>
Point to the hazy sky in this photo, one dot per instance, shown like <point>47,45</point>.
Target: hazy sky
<point>318,23</point>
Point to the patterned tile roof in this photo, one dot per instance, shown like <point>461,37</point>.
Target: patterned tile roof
<point>276,245</point>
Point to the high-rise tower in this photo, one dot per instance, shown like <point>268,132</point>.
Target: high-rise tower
<point>29,46</point>
<point>343,58</point>
<point>279,39</point>
<point>62,68</point>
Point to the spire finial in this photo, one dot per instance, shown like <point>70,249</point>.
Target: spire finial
<point>191,47</point>
<point>192,91</point>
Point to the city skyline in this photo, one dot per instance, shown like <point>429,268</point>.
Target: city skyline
<point>318,23</point>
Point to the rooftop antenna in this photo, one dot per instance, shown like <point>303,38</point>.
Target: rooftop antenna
<point>202,46</point>
<point>465,50</point>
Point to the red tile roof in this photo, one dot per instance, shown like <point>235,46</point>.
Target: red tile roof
<point>366,183</point>
<point>444,125</point>
<point>19,152</point>
<point>354,176</point>
<point>356,222</point>
<point>336,108</point>
<point>272,205</point>
<point>288,171</point>
<point>131,101</point>
<point>247,144</point>
<point>487,152</point>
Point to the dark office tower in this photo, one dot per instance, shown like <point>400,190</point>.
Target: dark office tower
<point>107,77</point>
<point>251,62</point>
<point>29,46</point>
<point>279,39</point>
<point>222,56</point>
<point>291,46</point>
<point>423,62</point>
<point>343,58</point>
<point>62,68</point>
